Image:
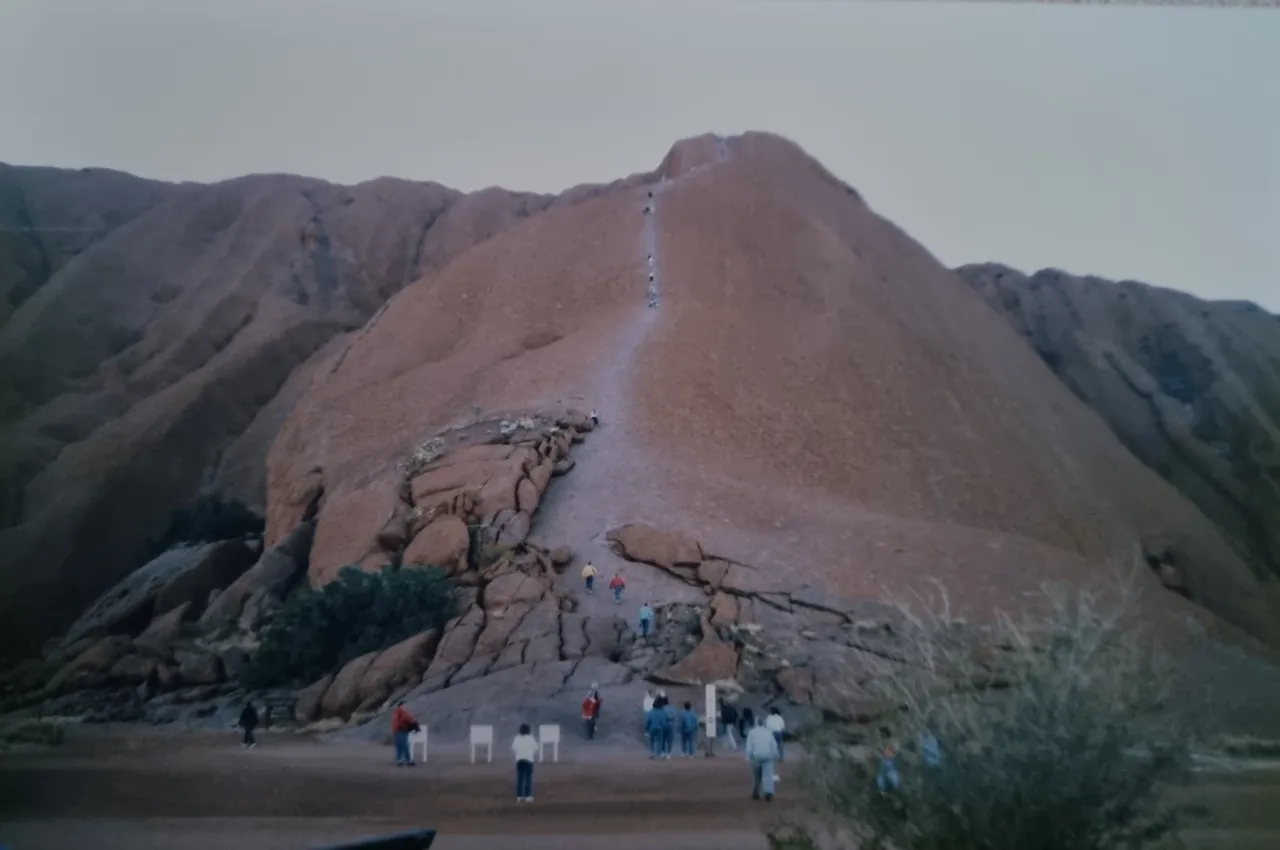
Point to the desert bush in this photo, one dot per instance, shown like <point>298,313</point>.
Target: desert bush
<point>317,631</point>
<point>208,519</point>
<point>1050,737</point>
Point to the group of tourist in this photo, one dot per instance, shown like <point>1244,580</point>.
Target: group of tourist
<point>662,722</point>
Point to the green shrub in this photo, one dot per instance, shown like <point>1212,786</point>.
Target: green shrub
<point>208,519</point>
<point>1051,739</point>
<point>317,631</point>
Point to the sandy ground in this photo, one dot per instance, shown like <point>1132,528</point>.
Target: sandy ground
<point>157,790</point>
<point>147,789</point>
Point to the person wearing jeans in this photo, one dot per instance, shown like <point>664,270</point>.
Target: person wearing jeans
<point>761,750</point>
<point>775,724</point>
<point>617,585</point>
<point>525,748</point>
<point>688,730</point>
<point>646,620</point>
<point>402,723</point>
<point>655,727</point>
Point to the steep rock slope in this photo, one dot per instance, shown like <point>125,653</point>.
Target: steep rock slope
<point>813,394</point>
<point>151,356</point>
<point>1192,387</point>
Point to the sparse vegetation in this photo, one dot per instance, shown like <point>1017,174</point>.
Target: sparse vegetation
<point>209,518</point>
<point>34,732</point>
<point>317,631</point>
<point>1048,737</point>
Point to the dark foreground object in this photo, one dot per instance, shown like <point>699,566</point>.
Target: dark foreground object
<point>418,840</point>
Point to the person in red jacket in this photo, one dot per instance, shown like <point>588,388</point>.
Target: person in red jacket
<point>402,723</point>
<point>617,585</point>
<point>591,711</point>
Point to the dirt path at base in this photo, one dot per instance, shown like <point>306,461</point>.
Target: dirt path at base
<point>205,791</point>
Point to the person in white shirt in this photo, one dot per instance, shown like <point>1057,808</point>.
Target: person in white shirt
<point>761,750</point>
<point>525,747</point>
<point>644,718</point>
<point>775,724</point>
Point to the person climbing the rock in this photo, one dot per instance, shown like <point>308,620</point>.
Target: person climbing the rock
<point>617,585</point>
<point>729,722</point>
<point>402,723</point>
<point>688,730</point>
<point>589,577</point>
<point>887,772</point>
<point>775,724</point>
<point>646,620</point>
<point>761,750</point>
<point>525,748</point>
<point>249,722</point>
<point>591,712</point>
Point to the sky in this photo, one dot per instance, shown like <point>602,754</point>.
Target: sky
<point>1126,142</point>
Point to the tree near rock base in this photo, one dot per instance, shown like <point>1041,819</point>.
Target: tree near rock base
<point>317,631</point>
<point>1051,735</point>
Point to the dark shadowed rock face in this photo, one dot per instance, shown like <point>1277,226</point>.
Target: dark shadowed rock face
<point>154,336</point>
<point>1191,387</point>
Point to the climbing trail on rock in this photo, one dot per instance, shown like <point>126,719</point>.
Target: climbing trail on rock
<point>614,481</point>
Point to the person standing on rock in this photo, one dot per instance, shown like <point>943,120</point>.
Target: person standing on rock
<point>249,722</point>
<point>525,748</point>
<point>646,620</point>
<point>775,724</point>
<point>617,585</point>
<point>761,750</point>
<point>589,576</point>
<point>688,730</point>
<point>402,723</point>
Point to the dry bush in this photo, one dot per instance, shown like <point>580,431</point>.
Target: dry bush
<point>1050,733</point>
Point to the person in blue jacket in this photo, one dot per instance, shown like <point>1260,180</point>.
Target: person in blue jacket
<point>688,730</point>
<point>669,729</point>
<point>655,725</point>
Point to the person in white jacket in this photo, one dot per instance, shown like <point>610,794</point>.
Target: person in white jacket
<point>525,748</point>
<point>775,724</point>
<point>761,750</point>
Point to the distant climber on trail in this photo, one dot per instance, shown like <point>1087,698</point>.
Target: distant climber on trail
<point>594,417</point>
<point>646,619</point>
<point>589,576</point>
<point>402,723</point>
<point>617,585</point>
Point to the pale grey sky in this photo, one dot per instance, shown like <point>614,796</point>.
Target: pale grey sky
<point>1125,142</point>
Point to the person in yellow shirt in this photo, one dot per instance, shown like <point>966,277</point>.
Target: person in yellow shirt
<point>589,576</point>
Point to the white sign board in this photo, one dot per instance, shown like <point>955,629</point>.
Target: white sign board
<point>712,714</point>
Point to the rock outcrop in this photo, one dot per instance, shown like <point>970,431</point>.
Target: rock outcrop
<point>153,338</point>
<point>1191,387</point>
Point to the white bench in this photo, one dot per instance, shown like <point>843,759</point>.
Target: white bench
<point>416,738</point>
<point>549,733</point>
<point>481,736</point>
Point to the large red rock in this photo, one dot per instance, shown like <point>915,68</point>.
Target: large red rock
<point>343,696</point>
<point>444,543</point>
<point>397,666</point>
<point>161,358</point>
<point>712,660</point>
<point>650,545</point>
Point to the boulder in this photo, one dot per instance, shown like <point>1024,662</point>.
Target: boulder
<point>711,661</point>
<point>644,543</point>
<point>724,610</point>
<point>275,572</point>
<point>343,696</point>
<point>91,667</point>
<point>306,709</point>
<point>164,630</point>
<point>396,667</point>
<point>512,589</point>
<point>561,556</point>
<point>456,644</point>
<point>444,543</point>
<point>563,467</point>
<point>186,573</point>
<point>133,669</point>
<point>540,476</point>
<point>514,531</point>
<point>257,609</point>
<point>796,683</point>
<point>527,496</point>
<point>233,660</point>
<point>198,668</point>
<point>221,565</point>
